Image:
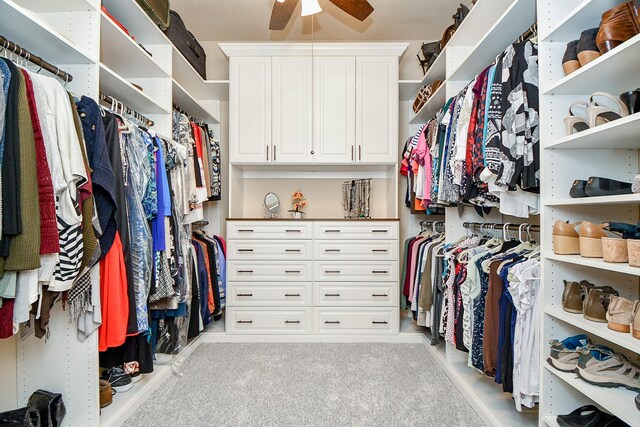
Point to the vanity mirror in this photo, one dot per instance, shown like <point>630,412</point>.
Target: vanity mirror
<point>271,205</point>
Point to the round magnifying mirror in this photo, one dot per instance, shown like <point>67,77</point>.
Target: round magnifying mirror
<point>271,205</point>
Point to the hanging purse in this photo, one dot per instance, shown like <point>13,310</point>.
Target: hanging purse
<point>22,417</point>
<point>430,51</point>
<point>50,406</point>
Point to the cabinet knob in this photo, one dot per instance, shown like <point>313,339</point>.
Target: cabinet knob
<point>313,152</point>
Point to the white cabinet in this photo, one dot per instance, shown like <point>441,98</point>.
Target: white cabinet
<point>249,109</point>
<point>334,109</point>
<point>291,110</point>
<point>376,109</point>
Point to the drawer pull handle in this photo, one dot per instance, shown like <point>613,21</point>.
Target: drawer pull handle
<point>379,231</point>
<point>379,271</point>
<point>379,250</point>
<point>331,295</point>
<point>292,250</point>
<point>291,321</point>
<point>291,295</point>
<point>379,295</point>
<point>332,271</point>
<point>245,230</point>
<point>332,250</point>
<point>332,322</point>
<point>292,271</point>
<point>384,322</point>
<point>245,321</point>
<point>293,231</point>
<point>331,231</point>
<point>245,271</point>
<point>245,250</point>
<point>244,295</point>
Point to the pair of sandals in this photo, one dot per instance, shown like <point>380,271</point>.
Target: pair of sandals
<point>597,186</point>
<point>602,108</point>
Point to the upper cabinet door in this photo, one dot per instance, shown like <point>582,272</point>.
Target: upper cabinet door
<point>377,109</point>
<point>334,109</point>
<point>250,110</point>
<point>291,103</point>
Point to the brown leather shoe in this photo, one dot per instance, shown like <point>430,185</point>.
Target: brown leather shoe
<point>619,24</point>
<point>635,324</point>
<point>565,238</point>
<point>619,314</point>
<point>591,239</point>
<point>106,394</point>
<point>573,296</point>
<point>597,303</point>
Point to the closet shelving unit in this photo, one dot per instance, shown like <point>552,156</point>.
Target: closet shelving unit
<point>77,37</point>
<point>610,150</point>
<point>488,29</point>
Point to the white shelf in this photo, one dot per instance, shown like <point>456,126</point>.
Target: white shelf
<point>594,263</point>
<point>586,15</point>
<point>189,78</point>
<point>409,89</point>
<point>621,134</point>
<point>513,22</point>
<point>610,72</point>
<point>192,106</point>
<point>478,22</point>
<point>599,329</point>
<point>136,20</point>
<point>551,421</point>
<point>626,199</point>
<point>30,31</point>
<point>219,89</point>
<point>618,401</point>
<point>123,55</point>
<point>437,71</point>
<point>52,6</point>
<point>114,85</point>
<point>431,107</point>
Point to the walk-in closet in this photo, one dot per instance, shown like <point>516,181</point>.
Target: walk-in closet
<point>319,213</point>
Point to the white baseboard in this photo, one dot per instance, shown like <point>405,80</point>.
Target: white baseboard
<point>402,338</point>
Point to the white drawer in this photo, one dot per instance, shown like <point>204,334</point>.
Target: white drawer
<point>356,320</point>
<point>268,320</point>
<point>353,271</point>
<point>269,230</point>
<point>357,295</point>
<point>355,230</point>
<point>268,271</point>
<point>358,250</point>
<point>245,294</point>
<point>269,250</point>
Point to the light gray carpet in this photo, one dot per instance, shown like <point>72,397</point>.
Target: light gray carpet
<point>308,385</point>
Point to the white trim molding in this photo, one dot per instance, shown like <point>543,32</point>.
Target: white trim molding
<point>318,49</point>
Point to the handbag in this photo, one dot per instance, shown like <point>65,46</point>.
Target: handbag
<point>430,51</point>
<point>22,417</point>
<point>50,406</point>
<point>458,17</point>
<point>158,11</point>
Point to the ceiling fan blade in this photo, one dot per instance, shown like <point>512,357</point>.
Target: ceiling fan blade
<point>281,14</point>
<point>359,9</point>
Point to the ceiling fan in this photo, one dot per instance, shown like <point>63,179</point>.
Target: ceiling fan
<point>283,10</point>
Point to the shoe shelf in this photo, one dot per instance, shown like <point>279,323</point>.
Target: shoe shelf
<point>586,15</point>
<point>618,401</point>
<point>612,72</point>
<point>28,30</point>
<point>111,83</point>
<point>431,107</point>
<point>594,263</point>
<point>194,107</point>
<point>435,72</point>
<point>409,89</point>
<point>621,134</point>
<point>520,15</point>
<point>136,20</point>
<point>479,22</point>
<point>551,421</point>
<point>599,329</point>
<point>626,199</point>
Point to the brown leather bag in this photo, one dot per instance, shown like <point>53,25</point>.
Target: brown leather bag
<point>448,33</point>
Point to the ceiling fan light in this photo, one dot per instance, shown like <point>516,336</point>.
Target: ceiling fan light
<point>310,7</point>
<point>281,1</point>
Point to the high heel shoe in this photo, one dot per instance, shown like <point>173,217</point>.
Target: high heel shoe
<point>587,50</point>
<point>591,239</point>
<point>599,114</point>
<point>570,62</point>
<point>565,238</point>
<point>619,24</point>
<point>574,122</point>
<point>632,100</point>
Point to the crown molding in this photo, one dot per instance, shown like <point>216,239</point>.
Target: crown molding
<point>317,49</point>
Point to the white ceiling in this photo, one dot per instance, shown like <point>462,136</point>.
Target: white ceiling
<point>248,20</point>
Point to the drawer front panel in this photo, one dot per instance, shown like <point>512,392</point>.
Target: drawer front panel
<point>327,271</point>
<point>269,250</point>
<point>269,230</point>
<point>268,321</point>
<point>243,294</point>
<point>362,250</point>
<point>363,295</point>
<point>268,271</point>
<point>355,321</point>
<point>354,230</point>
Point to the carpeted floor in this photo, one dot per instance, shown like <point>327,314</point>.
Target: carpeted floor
<point>308,385</point>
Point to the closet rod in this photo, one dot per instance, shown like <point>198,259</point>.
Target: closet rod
<point>434,224</point>
<point>117,105</point>
<point>8,45</point>
<point>189,116</point>
<point>508,226</point>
